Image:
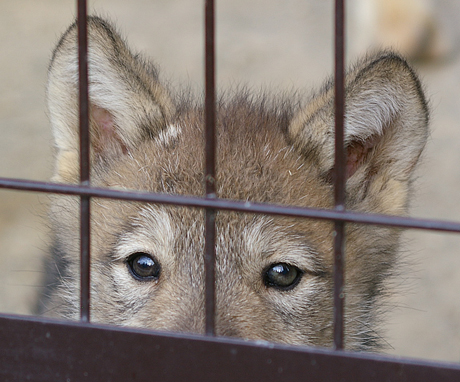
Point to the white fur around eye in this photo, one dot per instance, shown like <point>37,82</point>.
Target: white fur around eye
<point>151,233</point>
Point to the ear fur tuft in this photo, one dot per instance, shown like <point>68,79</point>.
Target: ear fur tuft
<point>386,127</point>
<point>127,102</point>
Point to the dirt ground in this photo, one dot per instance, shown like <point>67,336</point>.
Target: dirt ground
<point>271,44</point>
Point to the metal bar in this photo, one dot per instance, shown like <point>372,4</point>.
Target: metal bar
<point>339,175</point>
<point>210,273</point>
<point>210,100</point>
<point>46,350</point>
<point>84,160</point>
<point>210,170</point>
<point>339,285</point>
<point>231,205</point>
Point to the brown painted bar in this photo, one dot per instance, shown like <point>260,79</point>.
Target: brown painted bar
<point>339,281</point>
<point>232,205</point>
<point>210,100</point>
<point>210,167</point>
<point>339,173</point>
<point>85,237</point>
<point>46,350</point>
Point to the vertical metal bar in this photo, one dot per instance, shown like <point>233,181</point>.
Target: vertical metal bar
<point>84,160</point>
<point>339,175</point>
<point>210,170</point>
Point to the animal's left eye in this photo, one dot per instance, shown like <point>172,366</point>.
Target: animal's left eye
<point>282,276</point>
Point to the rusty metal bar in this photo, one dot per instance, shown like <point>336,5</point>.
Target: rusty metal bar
<point>47,350</point>
<point>84,160</point>
<point>210,167</point>
<point>339,174</point>
<point>232,205</point>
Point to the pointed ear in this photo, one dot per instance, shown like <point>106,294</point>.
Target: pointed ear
<point>127,102</point>
<point>386,127</point>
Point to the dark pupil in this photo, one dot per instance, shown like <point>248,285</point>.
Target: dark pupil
<point>281,275</point>
<point>143,266</point>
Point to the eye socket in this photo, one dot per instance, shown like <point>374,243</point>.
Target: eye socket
<point>282,276</point>
<point>143,266</point>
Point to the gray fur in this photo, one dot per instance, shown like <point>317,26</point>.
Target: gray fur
<point>270,150</point>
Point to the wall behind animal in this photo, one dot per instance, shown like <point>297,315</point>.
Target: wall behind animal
<point>278,45</point>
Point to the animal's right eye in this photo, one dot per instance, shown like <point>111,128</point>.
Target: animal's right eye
<point>143,266</point>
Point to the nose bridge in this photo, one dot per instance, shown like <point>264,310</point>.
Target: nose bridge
<point>184,311</point>
<point>239,312</point>
<point>189,321</point>
<point>185,293</point>
<point>229,293</point>
<point>185,285</point>
<point>226,312</point>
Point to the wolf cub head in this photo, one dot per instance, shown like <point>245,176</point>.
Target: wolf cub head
<point>273,274</point>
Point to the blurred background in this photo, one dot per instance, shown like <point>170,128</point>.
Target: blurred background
<point>271,44</point>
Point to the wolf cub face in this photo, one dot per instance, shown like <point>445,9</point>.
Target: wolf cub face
<point>273,274</point>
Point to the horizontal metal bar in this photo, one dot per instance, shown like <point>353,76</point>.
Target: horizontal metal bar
<point>223,204</point>
<point>47,350</point>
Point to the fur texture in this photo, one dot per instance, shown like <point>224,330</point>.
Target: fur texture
<point>274,275</point>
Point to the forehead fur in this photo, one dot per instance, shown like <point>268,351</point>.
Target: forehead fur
<point>255,160</point>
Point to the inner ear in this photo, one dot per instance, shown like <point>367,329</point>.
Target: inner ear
<point>104,132</point>
<point>358,152</point>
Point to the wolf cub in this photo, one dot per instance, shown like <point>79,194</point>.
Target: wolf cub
<point>273,274</point>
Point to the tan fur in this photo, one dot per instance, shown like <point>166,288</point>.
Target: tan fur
<point>269,150</point>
